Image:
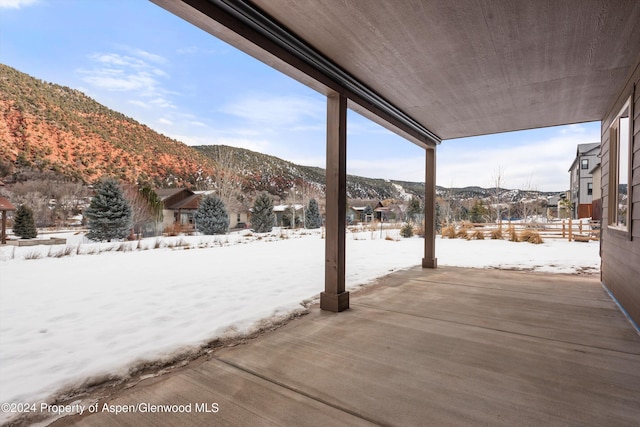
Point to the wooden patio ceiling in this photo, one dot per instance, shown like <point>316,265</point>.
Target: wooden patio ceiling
<point>455,68</point>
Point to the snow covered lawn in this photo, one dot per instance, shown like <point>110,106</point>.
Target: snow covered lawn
<point>80,312</point>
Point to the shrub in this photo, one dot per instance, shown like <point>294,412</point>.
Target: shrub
<point>406,230</point>
<point>478,235</point>
<point>531,236</point>
<point>463,233</point>
<point>513,234</point>
<point>497,234</point>
<point>449,231</point>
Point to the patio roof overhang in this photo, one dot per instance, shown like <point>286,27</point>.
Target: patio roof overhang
<point>431,70</point>
<point>435,70</point>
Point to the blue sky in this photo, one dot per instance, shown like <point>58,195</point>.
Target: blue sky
<point>136,58</point>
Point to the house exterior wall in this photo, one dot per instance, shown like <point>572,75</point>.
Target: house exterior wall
<point>580,178</point>
<point>233,219</point>
<point>620,250</point>
<point>597,194</point>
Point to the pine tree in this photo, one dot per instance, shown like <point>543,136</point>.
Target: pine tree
<point>109,213</point>
<point>414,209</point>
<point>23,223</point>
<point>312,218</point>
<point>478,212</point>
<point>262,218</point>
<point>211,216</point>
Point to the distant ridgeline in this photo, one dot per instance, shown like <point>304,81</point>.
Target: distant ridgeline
<point>48,130</point>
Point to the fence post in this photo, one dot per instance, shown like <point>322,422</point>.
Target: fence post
<point>570,229</point>
<point>580,226</point>
<point>563,230</point>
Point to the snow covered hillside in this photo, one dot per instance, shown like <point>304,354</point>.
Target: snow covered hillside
<point>84,311</point>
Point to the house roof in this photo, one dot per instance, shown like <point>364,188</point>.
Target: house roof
<point>191,202</point>
<point>5,205</point>
<point>587,148</point>
<point>164,193</point>
<point>453,68</point>
<point>282,208</point>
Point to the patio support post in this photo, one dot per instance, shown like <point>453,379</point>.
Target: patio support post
<point>3,238</point>
<point>334,298</point>
<point>430,260</point>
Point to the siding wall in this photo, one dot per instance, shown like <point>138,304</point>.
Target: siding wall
<point>621,250</point>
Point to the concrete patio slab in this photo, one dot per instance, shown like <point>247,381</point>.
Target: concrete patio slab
<point>449,346</point>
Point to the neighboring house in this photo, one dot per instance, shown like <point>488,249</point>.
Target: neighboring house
<point>280,212</point>
<point>581,179</point>
<point>356,210</point>
<point>5,206</point>
<point>552,205</point>
<point>596,172</point>
<point>181,204</point>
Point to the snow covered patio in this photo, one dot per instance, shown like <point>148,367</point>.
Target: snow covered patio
<point>450,346</point>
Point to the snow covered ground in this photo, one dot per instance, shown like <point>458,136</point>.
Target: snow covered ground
<point>75,313</point>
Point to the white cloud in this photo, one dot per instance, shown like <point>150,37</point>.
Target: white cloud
<point>117,80</point>
<point>276,111</point>
<point>139,103</point>
<point>165,121</point>
<point>117,60</point>
<point>543,162</point>
<point>161,102</point>
<point>146,55</point>
<point>133,73</point>
<point>16,4</point>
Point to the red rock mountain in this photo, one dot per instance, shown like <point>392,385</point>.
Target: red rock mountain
<point>48,127</point>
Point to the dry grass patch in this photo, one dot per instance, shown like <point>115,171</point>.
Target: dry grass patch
<point>531,236</point>
<point>449,231</point>
<point>477,235</point>
<point>513,234</point>
<point>497,234</point>
<point>463,233</point>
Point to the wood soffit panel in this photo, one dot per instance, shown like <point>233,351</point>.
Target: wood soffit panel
<point>465,67</point>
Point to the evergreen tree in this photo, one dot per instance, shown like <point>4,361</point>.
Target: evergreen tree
<point>414,209</point>
<point>312,218</point>
<point>109,213</point>
<point>23,223</point>
<point>263,218</point>
<point>478,212</point>
<point>211,216</point>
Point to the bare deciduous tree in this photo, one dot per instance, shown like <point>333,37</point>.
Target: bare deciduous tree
<point>227,183</point>
<point>498,178</point>
<point>146,208</point>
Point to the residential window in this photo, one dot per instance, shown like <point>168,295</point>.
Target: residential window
<point>620,169</point>
<point>585,164</point>
<point>589,188</point>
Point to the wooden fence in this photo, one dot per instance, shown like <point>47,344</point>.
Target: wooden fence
<point>574,230</point>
